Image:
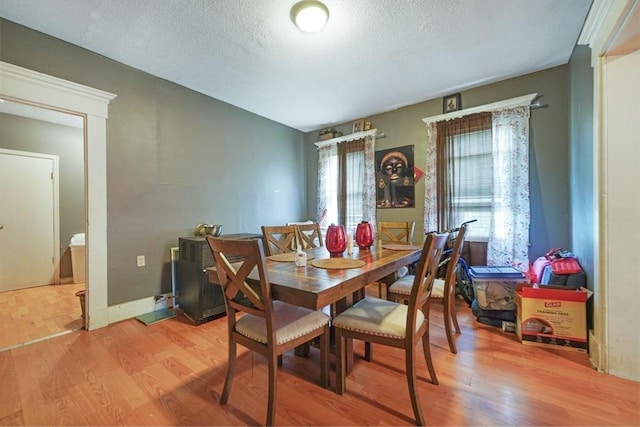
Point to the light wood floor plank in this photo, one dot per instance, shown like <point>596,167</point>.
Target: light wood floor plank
<point>39,312</point>
<point>172,372</point>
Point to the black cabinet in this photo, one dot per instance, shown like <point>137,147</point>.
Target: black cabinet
<point>199,299</point>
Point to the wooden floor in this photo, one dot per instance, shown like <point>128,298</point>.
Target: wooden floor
<point>171,373</point>
<point>39,312</point>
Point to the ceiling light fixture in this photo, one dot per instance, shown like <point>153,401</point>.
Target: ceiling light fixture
<point>310,15</point>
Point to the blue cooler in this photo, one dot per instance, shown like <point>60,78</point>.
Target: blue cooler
<point>494,289</point>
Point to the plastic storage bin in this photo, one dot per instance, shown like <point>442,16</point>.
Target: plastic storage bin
<point>494,287</point>
<point>77,248</point>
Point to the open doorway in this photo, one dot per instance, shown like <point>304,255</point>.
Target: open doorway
<point>32,88</point>
<point>42,186</point>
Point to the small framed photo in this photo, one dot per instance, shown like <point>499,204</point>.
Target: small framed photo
<point>451,103</point>
<point>358,126</point>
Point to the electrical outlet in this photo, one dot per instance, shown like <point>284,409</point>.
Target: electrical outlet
<point>141,261</point>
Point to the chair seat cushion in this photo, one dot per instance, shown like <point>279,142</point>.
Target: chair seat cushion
<point>438,288</point>
<point>291,322</point>
<point>376,316</point>
<point>403,285</point>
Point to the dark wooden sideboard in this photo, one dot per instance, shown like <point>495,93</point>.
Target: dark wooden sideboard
<point>199,299</point>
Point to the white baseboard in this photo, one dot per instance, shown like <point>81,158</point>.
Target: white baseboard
<point>131,309</point>
<point>595,352</point>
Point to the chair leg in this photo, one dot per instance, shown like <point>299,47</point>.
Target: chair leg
<point>446,313</point>
<point>410,366</point>
<point>348,354</point>
<point>426,347</point>
<point>368,351</point>
<point>341,365</point>
<point>325,343</point>
<point>231,367</point>
<point>271,403</point>
<point>454,316</point>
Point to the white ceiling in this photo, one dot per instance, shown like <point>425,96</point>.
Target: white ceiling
<point>373,56</point>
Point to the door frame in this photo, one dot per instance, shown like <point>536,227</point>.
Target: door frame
<point>32,88</point>
<point>56,203</point>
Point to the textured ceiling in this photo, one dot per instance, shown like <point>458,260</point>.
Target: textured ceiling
<point>373,56</point>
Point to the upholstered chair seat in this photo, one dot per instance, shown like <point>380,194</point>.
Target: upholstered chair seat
<point>291,322</point>
<point>379,317</point>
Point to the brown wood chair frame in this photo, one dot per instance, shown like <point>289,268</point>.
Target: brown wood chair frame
<point>401,290</point>
<point>448,299</point>
<point>370,320</point>
<point>394,231</point>
<point>279,239</point>
<point>309,236</point>
<point>268,327</point>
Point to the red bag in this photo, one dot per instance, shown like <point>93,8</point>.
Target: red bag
<point>565,266</point>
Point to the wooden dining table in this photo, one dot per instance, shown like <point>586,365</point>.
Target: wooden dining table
<point>315,287</point>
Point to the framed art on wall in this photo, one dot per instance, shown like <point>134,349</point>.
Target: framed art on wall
<point>395,178</point>
<point>451,103</point>
<point>358,126</point>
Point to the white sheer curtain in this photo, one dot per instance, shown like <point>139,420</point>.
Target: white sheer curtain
<point>346,183</point>
<point>430,187</point>
<point>509,232</point>
<point>327,185</point>
<point>369,182</point>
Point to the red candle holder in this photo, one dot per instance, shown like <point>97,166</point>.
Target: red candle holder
<point>336,240</point>
<point>364,235</point>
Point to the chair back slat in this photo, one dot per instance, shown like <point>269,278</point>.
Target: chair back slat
<point>396,231</point>
<point>279,239</point>
<point>425,275</point>
<point>450,274</point>
<point>309,236</point>
<point>242,293</point>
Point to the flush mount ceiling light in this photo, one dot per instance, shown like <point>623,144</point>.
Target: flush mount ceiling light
<point>310,15</point>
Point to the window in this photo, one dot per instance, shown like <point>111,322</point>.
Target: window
<point>346,184</point>
<point>474,180</point>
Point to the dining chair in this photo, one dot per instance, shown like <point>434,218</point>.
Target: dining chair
<point>394,232</point>
<point>279,239</point>
<point>444,290</point>
<point>309,235</point>
<point>393,324</point>
<point>268,327</point>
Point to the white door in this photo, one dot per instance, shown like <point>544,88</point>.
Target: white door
<point>28,231</point>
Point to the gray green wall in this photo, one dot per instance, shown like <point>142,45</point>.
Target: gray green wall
<point>582,157</point>
<point>66,142</point>
<point>581,149</point>
<point>549,152</point>
<point>175,158</point>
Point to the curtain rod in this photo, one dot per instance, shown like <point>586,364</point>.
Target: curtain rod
<point>520,101</point>
<point>351,137</point>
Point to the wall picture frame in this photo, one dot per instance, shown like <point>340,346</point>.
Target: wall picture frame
<point>358,126</point>
<point>451,103</point>
<point>395,178</point>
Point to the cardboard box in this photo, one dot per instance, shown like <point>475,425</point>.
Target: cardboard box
<point>548,316</point>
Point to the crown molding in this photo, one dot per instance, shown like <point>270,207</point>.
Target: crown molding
<point>604,22</point>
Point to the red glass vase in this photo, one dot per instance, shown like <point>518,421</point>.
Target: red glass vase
<point>336,240</point>
<point>364,235</point>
